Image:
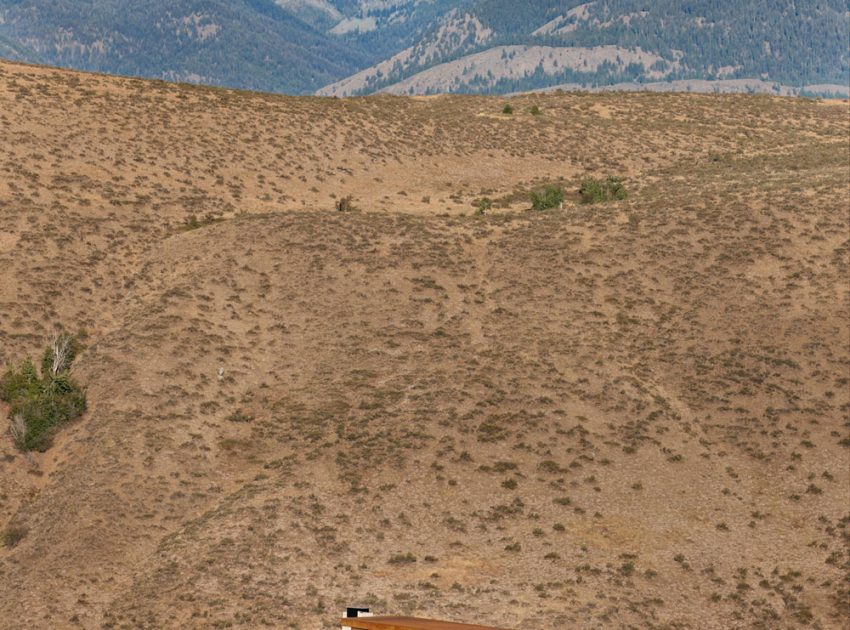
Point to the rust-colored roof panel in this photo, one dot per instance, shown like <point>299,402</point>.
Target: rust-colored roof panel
<point>407,623</point>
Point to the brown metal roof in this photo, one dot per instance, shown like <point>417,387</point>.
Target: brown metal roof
<point>407,623</point>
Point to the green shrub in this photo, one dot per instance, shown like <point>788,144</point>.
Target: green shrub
<point>550,197</point>
<point>192,222</point>
<point>535,111</point>
<point>483,205</point>
<point>507,109</point>
<point>21,382</point>
<point>597,190</point>
<point>39,405</point>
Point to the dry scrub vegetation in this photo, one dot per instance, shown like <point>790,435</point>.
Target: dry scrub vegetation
<point>624,414</point>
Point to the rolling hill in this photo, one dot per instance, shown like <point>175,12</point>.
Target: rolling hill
<point>627,414</point>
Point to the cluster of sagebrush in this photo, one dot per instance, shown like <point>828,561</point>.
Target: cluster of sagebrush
<point>551,196</point>
<point>597,190</point>
<point>39,404</point>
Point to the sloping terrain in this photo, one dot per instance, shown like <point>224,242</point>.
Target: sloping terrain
<point>252,44</point>
<point>356,47</point>
<point>626,414</point>
<point>719,86</point>
<point>607,42</point>
<point>290,46</point>
<point>453,34</point>
<point>507,64</point>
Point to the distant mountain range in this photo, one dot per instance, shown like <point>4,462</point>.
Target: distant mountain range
<point>353,47</point>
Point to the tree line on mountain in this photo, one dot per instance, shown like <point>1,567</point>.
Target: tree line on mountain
<point>256,44</point>
<point>260,45</point>
<point>792,42</point>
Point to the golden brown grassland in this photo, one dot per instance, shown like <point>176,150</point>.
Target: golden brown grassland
<point>631,414</point>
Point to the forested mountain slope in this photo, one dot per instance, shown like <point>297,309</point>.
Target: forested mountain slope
<point>239,43</point>
<point>793,43</point>
<point>346,47</point>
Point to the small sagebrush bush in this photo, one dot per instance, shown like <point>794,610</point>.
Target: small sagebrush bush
<point>599,190</point>
<point>193,222</point>
<point>13,534</point>
<point>483,205</point>
<point>402,558</point>
<point>550,196</point>
<point>507,109</point>
<point>240,416</point>
<point>345,204</point>
<point>40,404</point>
<point>535,111</point>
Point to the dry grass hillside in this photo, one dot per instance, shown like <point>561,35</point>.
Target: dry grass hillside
<point>632,414</point>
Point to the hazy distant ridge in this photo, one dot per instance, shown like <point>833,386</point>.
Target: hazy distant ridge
<point>353,47</point>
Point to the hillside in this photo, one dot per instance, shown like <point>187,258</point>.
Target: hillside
<point>355,47</point>
<point>252,44</point>
<point>495,46</point>
<point>625,414</point>
<point>290,46</point>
